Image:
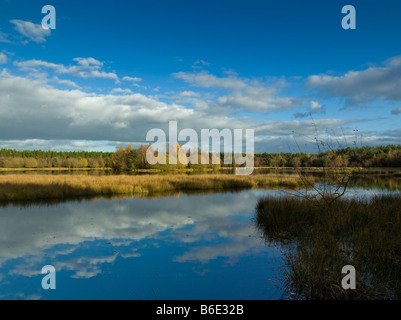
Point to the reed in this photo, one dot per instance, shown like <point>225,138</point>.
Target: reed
<point>35,187</point>
<point>319,240</point>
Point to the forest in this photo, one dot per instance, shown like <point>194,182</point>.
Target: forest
<point>125,160</point>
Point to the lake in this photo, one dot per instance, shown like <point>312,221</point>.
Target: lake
<point>186,247</point>
<point>199,246</point>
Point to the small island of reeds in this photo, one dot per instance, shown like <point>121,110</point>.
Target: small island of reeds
<point>21,187</point>
<point>318,240</point>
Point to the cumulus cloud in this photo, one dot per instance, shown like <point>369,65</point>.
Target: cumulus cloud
<point>121,91</point>
<point>67,83</point>
<point>65,145</point>
<point>132,79</point>
<point>253,96</point>
<point>356,87</point>
<point>35,111</point>
<point>315,107</point>
<point>301,127</point>
<point>258,99</point>
<point>3,58</point>
<point>188,94</point>
<point>85,68</point>
<point>34,32</point>
<point>396,111</point>
<point>31,109</point>
<point>33,65</point>
<point>206,80</point>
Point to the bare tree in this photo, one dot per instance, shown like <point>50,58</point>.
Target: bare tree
<point>335,175</point>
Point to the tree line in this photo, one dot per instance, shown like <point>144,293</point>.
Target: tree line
<point>380,156</point>
<point>128,159</point>
<point>10,158</point>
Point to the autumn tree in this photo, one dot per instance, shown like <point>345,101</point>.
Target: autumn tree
<point>296,162</point>
<point>118,161</point>
<point>276,161</point>
<point>140,161</point>
<point>131,158</point>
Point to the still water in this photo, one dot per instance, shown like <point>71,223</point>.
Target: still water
<point>199,246</point>
<point>176,247</point>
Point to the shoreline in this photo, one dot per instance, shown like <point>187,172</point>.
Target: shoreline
<point>361,169</point>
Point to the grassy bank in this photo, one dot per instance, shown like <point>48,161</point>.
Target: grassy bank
<point>35,187</point>
<point>52,169</point>
<point>319,240</point>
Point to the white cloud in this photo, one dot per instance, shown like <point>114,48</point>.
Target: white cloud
<point>31,109</point>
<point>34,109</point>
<point>122,91</point>
<point>396,111</point>
<point>34,32</point>
<point>3,58</point>
<point>394,61</point>
<point>304,127</point>
<point>67,83</point>
<point>251,95</point>
<point>85,68</point>
<point>85,267</point>
<point>374,83</point>
<point>64,145</point>
<point>202,62</point>
<point>188,94</point>
<point>258,99</point>
<point>89,62</point>
<point>206,80</point>
<point>132,79</point>
<point>315,106</point>
<point>33,65</point>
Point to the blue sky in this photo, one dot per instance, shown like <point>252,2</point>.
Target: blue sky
<point>111,71</point>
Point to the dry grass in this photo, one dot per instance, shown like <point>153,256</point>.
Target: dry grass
<point>35,187</point>
<point>51,169</point>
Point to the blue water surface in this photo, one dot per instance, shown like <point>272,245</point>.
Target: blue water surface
<point>172,247</point>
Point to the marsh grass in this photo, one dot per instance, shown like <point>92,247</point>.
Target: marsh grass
<point>34,187</point>
<point>320,240</point>
<point>51,169</point>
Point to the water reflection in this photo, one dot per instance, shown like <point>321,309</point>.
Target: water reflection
<point>177,246</point>
<point>108,249</point>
